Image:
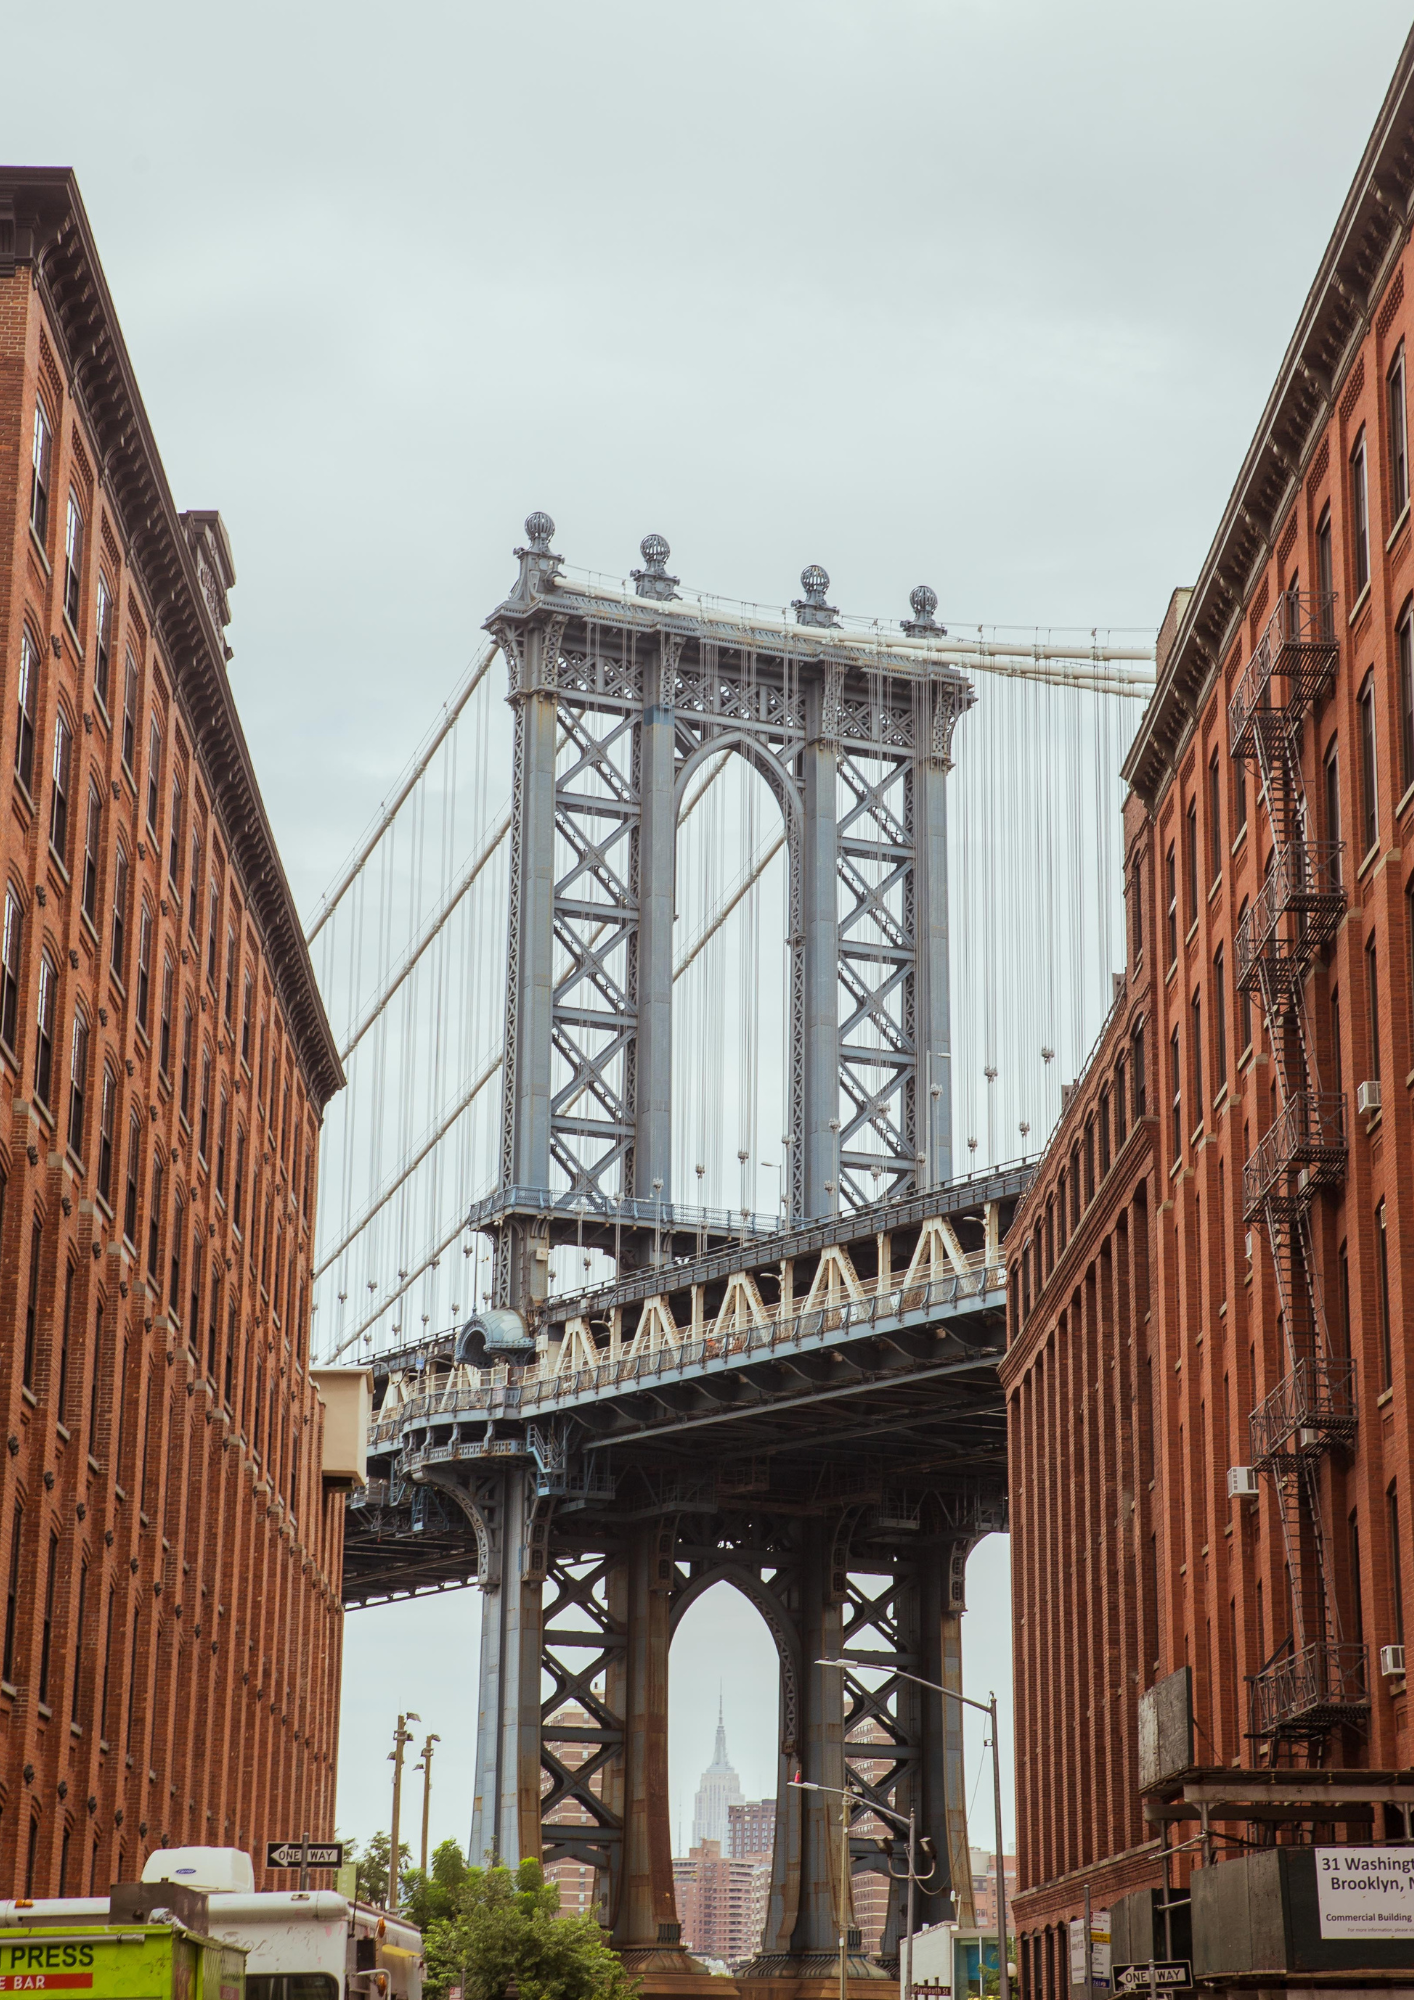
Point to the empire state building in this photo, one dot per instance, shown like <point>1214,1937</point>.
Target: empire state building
<point>720,1788</point>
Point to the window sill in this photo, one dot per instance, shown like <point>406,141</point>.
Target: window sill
<point>1170,974</point>
<point>1405,802</point>
<point>45,1113</point>
<point>1195,1136</point>
<point>101,705</point>
<point>1220,1099</point>
<point>74,638</point>
<point>40,551</point>
<point>1385,1396</point>
<point>58,861</point>
<point>1217,883</point>
<point>1190,933</point>
<point>1240,838</point>
<point>23,789</point>
<point>29,1396</point>
<point>1371,857</point>
<point>1397,530</point>
<point>44,1711</point>
<point>90,926</point>
<point>1358,607</point>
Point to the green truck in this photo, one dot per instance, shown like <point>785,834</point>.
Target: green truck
<point>158,1952</point>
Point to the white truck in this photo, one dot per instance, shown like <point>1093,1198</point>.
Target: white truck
<point>301,1944</point>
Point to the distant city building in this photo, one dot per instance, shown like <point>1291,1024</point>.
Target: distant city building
<point>984,1885</point>
<point>719,1790</point>
<point>574,1879</point>
<point>721,1903</point>
<point>751,1830</point>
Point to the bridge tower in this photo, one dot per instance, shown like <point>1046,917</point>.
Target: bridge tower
<point>620,698</point>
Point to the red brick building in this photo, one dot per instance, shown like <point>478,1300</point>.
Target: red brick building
<point>1211,1273</point>
<point>169,1552</point>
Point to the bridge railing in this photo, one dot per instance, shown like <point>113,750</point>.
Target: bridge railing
<point>545,1381</point>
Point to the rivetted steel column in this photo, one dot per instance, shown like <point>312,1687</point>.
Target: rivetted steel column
<point>657,845</point>
<point>933,1022</point>
<point>505,1817</point>
<point>812,1837</point>
<point>645,1918</point>
<point>820,914</point>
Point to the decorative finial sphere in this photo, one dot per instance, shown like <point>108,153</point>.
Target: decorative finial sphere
<point>923,600</point>
<point>813,579</point>
<point>654,548</point>
<point>539,528</point>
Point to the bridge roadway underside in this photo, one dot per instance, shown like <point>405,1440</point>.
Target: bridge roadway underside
<point>823,1430</point>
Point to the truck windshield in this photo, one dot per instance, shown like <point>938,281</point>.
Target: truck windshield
<point>291,1986</point>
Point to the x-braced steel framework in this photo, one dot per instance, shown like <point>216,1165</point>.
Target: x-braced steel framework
<point>1319,1681</point>
<point>619,701</point>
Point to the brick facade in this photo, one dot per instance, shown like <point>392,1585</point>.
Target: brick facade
<point>170,1558</point>
<point>1145,1325</point>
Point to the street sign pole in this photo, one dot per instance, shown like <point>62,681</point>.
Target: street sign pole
<point>304,1861</point>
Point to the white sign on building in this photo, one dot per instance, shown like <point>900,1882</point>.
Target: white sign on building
<point>1365,1891</point>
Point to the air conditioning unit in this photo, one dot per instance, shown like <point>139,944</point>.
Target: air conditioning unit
<point>1242,1482</point>
<point>1308,1439</point>
<point>1367,1099</point>
<point>1392,1662</point>
<point>1248,1246</point>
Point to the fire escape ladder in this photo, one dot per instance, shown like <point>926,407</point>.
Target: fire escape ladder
<point>1320,1681</point>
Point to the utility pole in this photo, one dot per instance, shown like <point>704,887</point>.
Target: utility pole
<point>426,1769</point>
<point>402,1736</point>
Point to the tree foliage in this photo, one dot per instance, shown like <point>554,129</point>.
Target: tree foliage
<point>506,1924</point>
<point>372,1867</point>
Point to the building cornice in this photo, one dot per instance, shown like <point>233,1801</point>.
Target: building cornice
<point>43,226</point>
<point>1371,230</point>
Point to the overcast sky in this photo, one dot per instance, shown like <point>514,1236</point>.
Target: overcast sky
<point>987,294</point>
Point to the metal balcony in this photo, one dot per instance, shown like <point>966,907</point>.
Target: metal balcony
<point>1304,883</point>
<point>1309,1410</point>
<point>1304,1146</point>
<point>1312,1691</point>
<point>1293,662</point>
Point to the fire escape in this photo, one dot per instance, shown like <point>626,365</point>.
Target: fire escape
<point>1317,1682</point>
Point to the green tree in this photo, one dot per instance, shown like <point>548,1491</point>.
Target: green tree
<point>432,1898</point>
<point>507,1925</point>
<point>372,1867</point>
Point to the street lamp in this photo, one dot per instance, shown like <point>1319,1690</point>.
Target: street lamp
<point>987,1708</point>
<point>402,1736</point>
<point>844,1797</point>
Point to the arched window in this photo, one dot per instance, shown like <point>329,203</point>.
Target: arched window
<point>185,1096</point>
<point>107,1112</point>
<point>118,956</point>
<point>102,640</point>
<point>154,1222</point>
<point>92,841</point>
<point>164,1031</point>
<point>238,1187</point>
<point>27,703</point>
<point>73,561</point>
<point>144,966</point>
<point>129,710</point>
<point>78,1081</point>
<point>194,1322</point>
<point>203,1129</point>
<point>221,1128</point>
<point>174,845</point>
<point>134,1175</point>
<point>10,943</point>
<point>194,887</point>
<point>42,452</point>
<point>44,1026</point>
<point>213,924</point>
<point>59,797</point>
<point>154,773</point>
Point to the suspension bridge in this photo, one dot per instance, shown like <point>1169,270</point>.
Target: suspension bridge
<point>719,899</point>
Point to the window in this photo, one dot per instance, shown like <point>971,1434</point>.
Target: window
<point>28,701</point>
<point>1396,1564</point>
<point>1404,649</point>
<point>1369,805</point>
<point>73,561</point>
<point>44,1025</point>
<point>203,1137</point>
<point>1215,819</point>
<point>102,640</point>
<point>59,798</point>
<point>221,1127</point>
<point>78,1080</point>
<point>184,1101</point>
<point>154,1220</point>
<point>247,1002</point>
<point>1171,885</point>
<point>1089,1160</point>
<point>154,774</point>
<point>174,843</point>
<point>1372,1001</point>
<point>179,1217</point>
<point>238,1185</point>
<point>1137,1043</point>
<point>1176,1087</point>
<point>213,1330</point>
<point>40,454</point>
<point>92,838</point>
<point>194,1321</point>
<point>230,1378</point>
<point>10,970</point>
<point>78,1675</point>
<point>1220,1019</point>
<point>1136,916</point>
<point>229,1000</point>
<point>12,1595</point>
<point>134,1174</point>
<point>164,1028</point>
<point>1337,1066</point>
<point>213,915</point>
<point>144,966</point>
<point>1360,513</point>
<point>66,1328</point>
<point>107,1113</point>
<point>1325,576</point>
<point>1331,770</point>
<point>117,957</point>
<point>36,1245</point>
<point>1190,857</point>
<point>1382,1276</point>
<point>129,711</point>
<point>1398,436</point>
<point>1195,1009</point>
<point>46,1642</point>
<point>308,1180</point>
<point>194,888</point>
<point>1239,794</point>
<point>1121,1105</point>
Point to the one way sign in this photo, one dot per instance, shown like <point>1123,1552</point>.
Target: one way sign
<point>295,1854</point>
